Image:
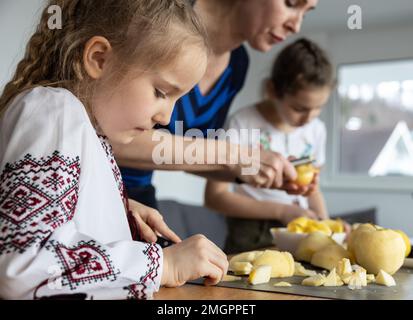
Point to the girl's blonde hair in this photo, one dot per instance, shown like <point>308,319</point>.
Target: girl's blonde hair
<point>144,32</point>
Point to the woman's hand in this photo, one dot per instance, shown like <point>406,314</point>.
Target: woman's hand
<point>305,191</point>
<point>191,259</point>
<point>151,223</point>
<point>263,169</point>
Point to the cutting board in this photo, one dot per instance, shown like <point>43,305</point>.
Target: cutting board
<point>402,291</point>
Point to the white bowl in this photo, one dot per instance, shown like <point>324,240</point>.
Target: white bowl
<point>285,240</point>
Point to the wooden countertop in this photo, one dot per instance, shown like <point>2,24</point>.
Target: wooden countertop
<point>198,292</point>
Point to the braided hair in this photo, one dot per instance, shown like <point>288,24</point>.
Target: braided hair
<point>139,31</point>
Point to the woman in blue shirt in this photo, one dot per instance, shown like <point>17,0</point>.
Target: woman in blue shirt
<point>229,24</point>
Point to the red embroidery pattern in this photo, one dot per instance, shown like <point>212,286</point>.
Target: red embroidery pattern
<point>139,290</point>
<point>134,228</point>
<point>115,169</point>
<point>85,263</point>
<point>36,197</point>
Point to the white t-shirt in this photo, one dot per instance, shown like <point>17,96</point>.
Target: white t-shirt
<point>64,228</point>
<point>308,140</point>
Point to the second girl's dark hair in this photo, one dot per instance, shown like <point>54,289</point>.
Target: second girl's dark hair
<point>300,65</point>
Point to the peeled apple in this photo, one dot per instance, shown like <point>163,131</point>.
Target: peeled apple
<point>329,256</point>
<point>305,174</point>
<point>406,242</point>
<point>311,244</point>
<point>282,263</point>
<point>353,235</point>
<point>382,249</point>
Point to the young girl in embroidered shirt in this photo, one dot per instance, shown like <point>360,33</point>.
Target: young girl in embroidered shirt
<point>114,70</point>
<point>300,84</point>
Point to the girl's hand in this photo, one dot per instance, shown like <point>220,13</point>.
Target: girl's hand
<point>191,259</point>
<point>151,223</point>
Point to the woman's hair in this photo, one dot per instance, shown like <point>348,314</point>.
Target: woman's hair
<point>300,65</point>
<point>141,32</point>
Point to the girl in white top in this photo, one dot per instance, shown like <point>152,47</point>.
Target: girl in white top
<point>67,229</point>
<point>300,84</point>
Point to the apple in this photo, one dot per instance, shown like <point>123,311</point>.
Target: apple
<point>314,281</point>
<point>379,249</point>
<point>311,244</point>
<point>406,242</point>
<point>385,279</point>
<point>305,174</point>
<point>282,263</point>
<point>333,279</point>
<point>329,256</point>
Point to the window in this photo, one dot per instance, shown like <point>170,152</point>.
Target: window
<point>373,123</point>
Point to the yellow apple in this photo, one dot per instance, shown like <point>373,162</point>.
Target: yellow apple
<point>406,242</point>
<point>329,256</point>
<point>335,226</point>
<point>314,225</point>
<point>305,174</point>
<point>310,244</point>
<point>282,263</point>
<point>352,238</point>
<point>376,250</point>
<point>298,225</point>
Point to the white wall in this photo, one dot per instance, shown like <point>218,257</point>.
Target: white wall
<point>18,19</point>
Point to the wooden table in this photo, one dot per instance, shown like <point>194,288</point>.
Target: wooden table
<point>198,292</point>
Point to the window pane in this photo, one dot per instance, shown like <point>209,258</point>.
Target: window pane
<point>376,118</point>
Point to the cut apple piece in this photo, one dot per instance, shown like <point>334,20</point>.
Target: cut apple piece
<point>370,278</point>
<point>300,271</point>
<point>344,267</point>
<point>260,274</point>
<point>230,278</point>
<point>385,279</point>
<point>333,280</point>
<point>241,268</point>
<point>314,281</point>
<point>282,284</point>
<point>248,256</point>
